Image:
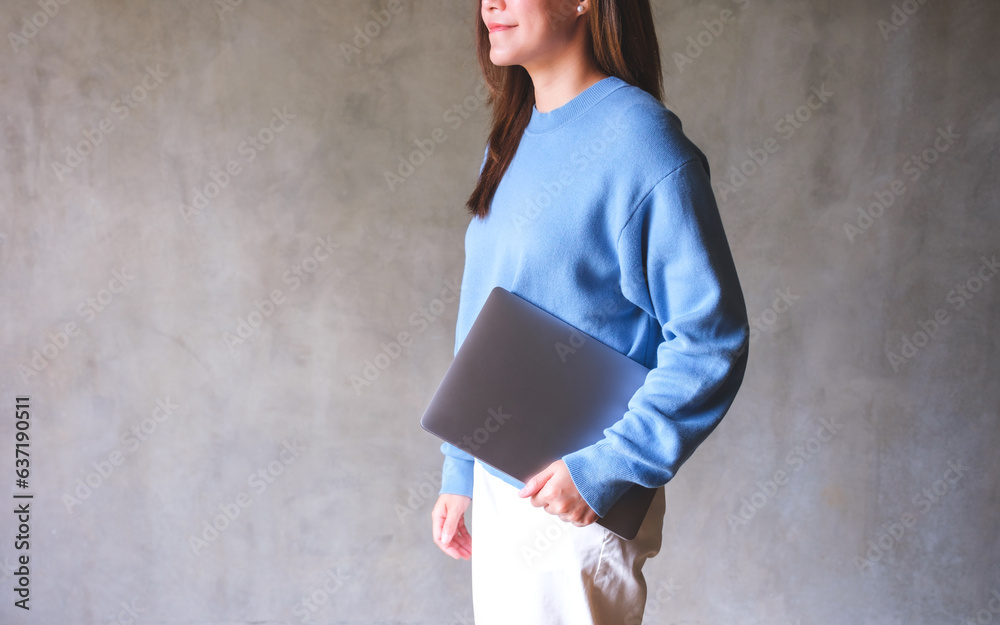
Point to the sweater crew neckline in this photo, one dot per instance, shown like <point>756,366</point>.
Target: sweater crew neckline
<point>547,122</point>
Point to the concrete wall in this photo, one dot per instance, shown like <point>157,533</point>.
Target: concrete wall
<point>854,481</point>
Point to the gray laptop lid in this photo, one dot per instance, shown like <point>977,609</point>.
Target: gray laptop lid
<point>527,388</point>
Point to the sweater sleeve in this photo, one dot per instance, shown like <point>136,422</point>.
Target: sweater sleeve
<point>677,267</point>
<point>456,472</point>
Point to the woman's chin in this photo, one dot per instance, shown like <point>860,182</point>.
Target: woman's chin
<point>501,60</point>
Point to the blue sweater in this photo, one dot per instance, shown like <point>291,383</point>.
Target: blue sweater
<point>606,219</point>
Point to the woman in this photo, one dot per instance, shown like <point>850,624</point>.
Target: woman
<point>592,204</point>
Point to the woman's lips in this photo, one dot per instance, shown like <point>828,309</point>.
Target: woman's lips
<point>493,28</point>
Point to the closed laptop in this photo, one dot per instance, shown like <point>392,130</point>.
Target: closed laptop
<point>526,388</point>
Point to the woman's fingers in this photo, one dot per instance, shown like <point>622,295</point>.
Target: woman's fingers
<point>448,526</point>
<point>461,543</point>
<point>553,490</point>
<point>537,482</point>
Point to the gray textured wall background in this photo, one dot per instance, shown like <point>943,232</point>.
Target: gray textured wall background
<point>847,485</point>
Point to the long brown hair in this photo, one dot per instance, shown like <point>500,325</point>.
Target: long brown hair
<point>623,44</point>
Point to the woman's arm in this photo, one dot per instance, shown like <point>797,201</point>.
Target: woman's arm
<point>676,265</point>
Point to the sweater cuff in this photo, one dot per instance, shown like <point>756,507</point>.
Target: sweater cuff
<point>601,483</point>
<point>456,473</point>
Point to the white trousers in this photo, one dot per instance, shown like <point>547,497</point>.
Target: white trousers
<point>530,568</point>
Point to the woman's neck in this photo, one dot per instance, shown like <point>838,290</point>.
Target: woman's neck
<point>557,84</point>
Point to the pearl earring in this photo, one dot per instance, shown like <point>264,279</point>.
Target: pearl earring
<point>579,8</point>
